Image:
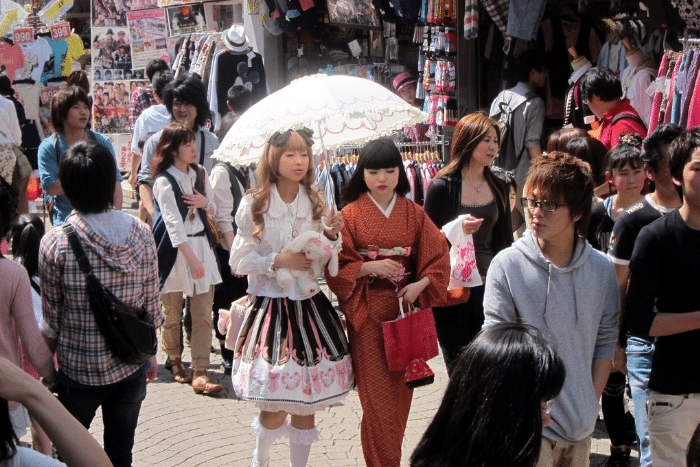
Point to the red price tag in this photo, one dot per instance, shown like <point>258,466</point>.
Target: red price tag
<point>47,94</point>
<point>23,36</point>
<point>60,31</point>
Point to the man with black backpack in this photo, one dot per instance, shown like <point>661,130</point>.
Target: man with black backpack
<point>601,91</point>
<point>521,112</point>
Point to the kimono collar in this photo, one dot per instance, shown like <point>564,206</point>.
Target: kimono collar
<point>278,208</point>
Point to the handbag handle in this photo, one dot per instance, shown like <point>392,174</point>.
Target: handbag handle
<point>409,306</point>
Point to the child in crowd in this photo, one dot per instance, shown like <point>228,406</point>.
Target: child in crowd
<point>291,355</point>
<point>187,262</point>
<point>390,248</point>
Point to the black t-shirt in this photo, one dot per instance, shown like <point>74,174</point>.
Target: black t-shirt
<point>664,273</point>
<point>624,234</point>
<point>627,228</point>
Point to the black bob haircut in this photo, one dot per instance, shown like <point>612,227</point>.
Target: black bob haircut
<point>191,90</point>
<point>154,66</point>
<point>681,151</point>
<point>601,82</point>
<point>652,148</point>
<point>378,154</point>
<point>88,175</point>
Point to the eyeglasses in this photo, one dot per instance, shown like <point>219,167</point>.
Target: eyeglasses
<point>546,206</point>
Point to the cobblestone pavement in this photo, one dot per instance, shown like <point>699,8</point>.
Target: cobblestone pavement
<point>179,428</point>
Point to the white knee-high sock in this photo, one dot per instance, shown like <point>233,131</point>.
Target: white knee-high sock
<point>300,442</point>
<point>264,440</point>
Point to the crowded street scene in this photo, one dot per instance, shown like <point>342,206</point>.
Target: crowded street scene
<point>349,233</point>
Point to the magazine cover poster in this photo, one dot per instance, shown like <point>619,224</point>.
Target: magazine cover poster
<point>148,30</point>
<point>186,19</point>
<point>113,12</point>
<point>111,54</point>
<point>110,107</point>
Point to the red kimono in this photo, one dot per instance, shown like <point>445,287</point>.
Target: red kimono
<point>369,301</point>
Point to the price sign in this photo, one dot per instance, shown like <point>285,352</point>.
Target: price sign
<point>23,36</point>
<point>9,19</point>
<point>60,31</point>
<point>47,93</point>
<point>54,8</point>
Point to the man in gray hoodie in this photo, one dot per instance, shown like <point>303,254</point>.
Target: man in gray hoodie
<point>554,280</point>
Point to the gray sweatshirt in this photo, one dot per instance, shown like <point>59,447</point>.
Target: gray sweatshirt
<point>576,307</point>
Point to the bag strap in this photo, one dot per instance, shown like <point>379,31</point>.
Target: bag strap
<point>631,116</point>
<point>201,150</point>
<point>35,285</point>
<point>78,250</point>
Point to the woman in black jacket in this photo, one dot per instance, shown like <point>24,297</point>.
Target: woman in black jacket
<point>468,186</point>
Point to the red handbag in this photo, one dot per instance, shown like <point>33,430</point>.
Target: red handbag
<point>409,341</point>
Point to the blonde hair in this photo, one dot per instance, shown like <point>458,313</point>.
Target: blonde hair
<point>267,174</point>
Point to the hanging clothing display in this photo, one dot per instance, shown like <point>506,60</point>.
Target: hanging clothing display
<point>677,96</point>
<point>636,80</point>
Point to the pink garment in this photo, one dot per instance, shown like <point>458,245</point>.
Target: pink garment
<point>694,109</point>
<point>669,104</point>
<point>658,95</point>
<point>19,330</point>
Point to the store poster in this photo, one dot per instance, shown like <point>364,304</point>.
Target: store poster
<point>122,149</point>
<point>113,12</point>
<point>110,107</point>
<point>111,54</point>
<point>149,31</point>
<point>186,19</point>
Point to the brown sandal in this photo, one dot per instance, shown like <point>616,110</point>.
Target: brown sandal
<point>202,384</point>
<point>180,373</point>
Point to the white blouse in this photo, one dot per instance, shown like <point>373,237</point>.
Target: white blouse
<point>255,259</point>
<point>180,279</point>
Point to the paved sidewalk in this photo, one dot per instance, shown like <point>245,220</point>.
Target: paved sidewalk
<point>179,428</point>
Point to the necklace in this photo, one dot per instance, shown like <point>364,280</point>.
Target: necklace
<point>293,222</point>
<point>477,188</point>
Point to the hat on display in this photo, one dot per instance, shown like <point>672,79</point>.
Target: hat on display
<point>403,80</point>
<point>109,31</point>
<point>236,40</point>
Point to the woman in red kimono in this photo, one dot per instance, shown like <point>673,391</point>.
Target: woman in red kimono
<point>390,248</point>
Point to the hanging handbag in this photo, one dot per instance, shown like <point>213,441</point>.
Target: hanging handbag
<point>409,342</point>
<point>129,331</point>
<point>237,316</point>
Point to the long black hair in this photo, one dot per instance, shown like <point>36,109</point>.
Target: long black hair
<point>491,414</point>
<point>378,154</point>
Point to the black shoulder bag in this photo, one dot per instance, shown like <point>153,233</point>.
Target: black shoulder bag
<point>130,332</point>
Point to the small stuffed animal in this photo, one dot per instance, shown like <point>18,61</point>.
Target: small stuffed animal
<point>319,250</point>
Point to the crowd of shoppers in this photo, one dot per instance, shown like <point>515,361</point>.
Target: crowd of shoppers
<point>530,353</point>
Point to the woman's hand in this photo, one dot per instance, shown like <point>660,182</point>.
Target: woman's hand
<point>411,291</point>
<point>336,222</point>
<point>196,268</point>
<point>153,372</point>
<point>620,360</point>
<point>196,200</point>
<point>471,224</point>
<point>383,268</point>
<point>291,260</point>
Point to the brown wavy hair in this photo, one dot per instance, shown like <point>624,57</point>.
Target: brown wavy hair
<point>267,174</point>
<point>174,135</point>
<point>469,132</point>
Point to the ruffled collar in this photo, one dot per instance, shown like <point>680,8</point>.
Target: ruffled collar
<point>278,208</point>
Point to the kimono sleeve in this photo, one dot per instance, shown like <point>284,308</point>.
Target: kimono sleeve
<point>433,262</point>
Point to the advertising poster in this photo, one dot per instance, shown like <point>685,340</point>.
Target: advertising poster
<point>113,12</point>
<point>122,149</point>
<point>111,54</point>
<point>149,31</point>
<point>110,108</point>
<point>186,19</point>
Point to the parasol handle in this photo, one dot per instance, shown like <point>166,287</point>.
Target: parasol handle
<point>328,175</point>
